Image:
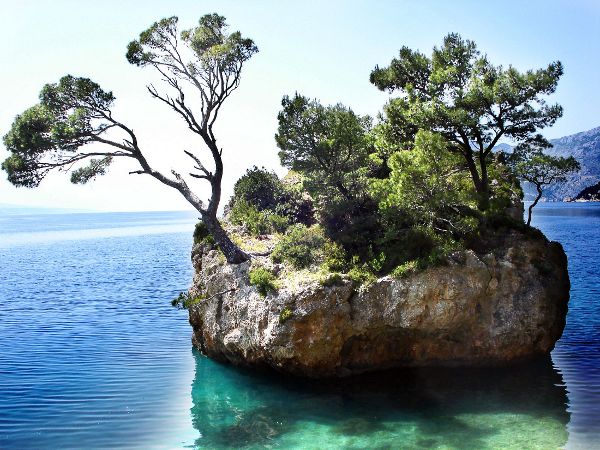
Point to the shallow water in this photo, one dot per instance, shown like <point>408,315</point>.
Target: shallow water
<point>93,356</point>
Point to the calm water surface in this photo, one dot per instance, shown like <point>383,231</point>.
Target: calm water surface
<point>93,356</point>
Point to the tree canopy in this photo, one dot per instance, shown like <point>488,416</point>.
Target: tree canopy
<point>76,111</point>
<point>328,144</point>
<point>458,93</point>
<point>428,185</point>
<point>420,183</point>
<point>71,113</point>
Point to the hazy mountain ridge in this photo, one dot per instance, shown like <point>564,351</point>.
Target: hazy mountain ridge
<point>585,147</point>
<point>591,193</point>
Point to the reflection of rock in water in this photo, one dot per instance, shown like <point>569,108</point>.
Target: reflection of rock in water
<point>255,426</point>
<point>235,409</point>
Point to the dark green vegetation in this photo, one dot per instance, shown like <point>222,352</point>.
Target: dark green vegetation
<point>263,279</point>
<point>202,234</point>
<point>285,315</point>
<point>265,205</point>
<point>591,193</point>
<point>402,193</point>
<point>328,145</point>
<point>185,301</point>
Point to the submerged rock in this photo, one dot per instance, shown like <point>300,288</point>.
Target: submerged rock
<point>489,308</point>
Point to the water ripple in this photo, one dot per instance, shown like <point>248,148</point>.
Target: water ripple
<point>93,356</point>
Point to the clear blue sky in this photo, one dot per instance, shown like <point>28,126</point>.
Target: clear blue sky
<point>323,49</point>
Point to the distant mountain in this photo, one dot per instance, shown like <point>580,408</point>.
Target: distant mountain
<point>590,194</point>
<point>585,147</point>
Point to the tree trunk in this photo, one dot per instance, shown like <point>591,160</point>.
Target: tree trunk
<point>345,193</point>
<point>480,183</point>
<point>484,191</point>
<point>233,254</point>
<point>535,202</point>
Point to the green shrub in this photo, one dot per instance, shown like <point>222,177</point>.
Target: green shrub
<point>377,262</point>
<point>405,269</point>
<point>286,314</point>
<point>201,234</point>
<point>437,256</point>
<point>300,247</point>
<point>265,205</point>
<point>277,223</point>
<point>335,257</point>
<point>355,225</point>
<point>243,213</point>
<point>259,188</point>
<point>264,280</point>
<point>330,279</point>
<point>297,208</point>
<point>257,222</point>
<point>184,300</point>
<point>362,274</point>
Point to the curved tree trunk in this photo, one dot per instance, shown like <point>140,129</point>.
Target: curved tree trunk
<point>535,202</point>
<point>480,182</point>
<point>484,191</point>
<point>232,252</point>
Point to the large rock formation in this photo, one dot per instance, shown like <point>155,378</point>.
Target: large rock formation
<point>490,308</point>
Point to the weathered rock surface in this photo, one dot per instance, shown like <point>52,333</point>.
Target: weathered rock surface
<point>486,309</point>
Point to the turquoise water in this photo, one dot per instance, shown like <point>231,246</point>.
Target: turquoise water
<point>93,356</point>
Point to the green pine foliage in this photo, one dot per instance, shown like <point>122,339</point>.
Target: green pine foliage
<point>459,94</point>
<point>424,181</point>
<point>263,279</point>
<point>301,246</point>
<point>264,204</point>
<point>185,301</point>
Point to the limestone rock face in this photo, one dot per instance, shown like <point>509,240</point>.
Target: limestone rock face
<point>480,309</point>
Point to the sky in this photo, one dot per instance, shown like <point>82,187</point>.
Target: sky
<point>321,49</point>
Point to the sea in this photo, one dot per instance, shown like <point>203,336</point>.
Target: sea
<point>93,356</point>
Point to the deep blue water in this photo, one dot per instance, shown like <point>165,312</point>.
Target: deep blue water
<point>577,353</point>
<point>92,355</point>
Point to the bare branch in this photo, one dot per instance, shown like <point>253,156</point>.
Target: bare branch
<point>208,175</point>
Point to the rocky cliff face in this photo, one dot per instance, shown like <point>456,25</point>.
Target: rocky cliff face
<point>480,309</point>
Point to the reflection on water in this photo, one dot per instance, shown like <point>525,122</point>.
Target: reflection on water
<point>521,407</point>
<point>577,354</point>
<point>92,356</point>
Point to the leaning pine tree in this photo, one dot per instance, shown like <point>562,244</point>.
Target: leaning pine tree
<point>76,111</point>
